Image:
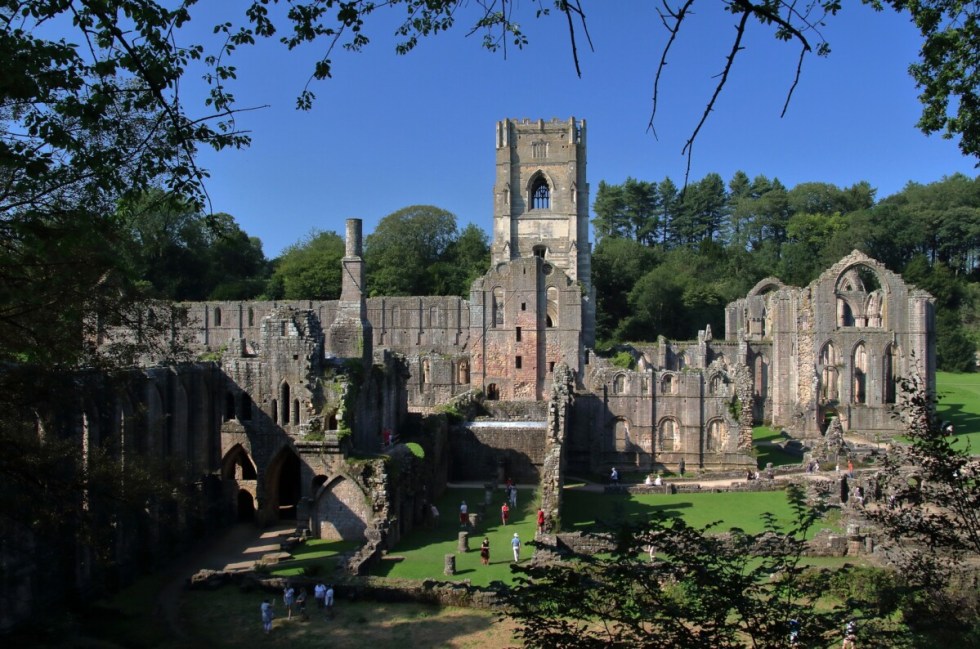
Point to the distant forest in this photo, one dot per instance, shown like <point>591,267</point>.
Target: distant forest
<point>666,259</point>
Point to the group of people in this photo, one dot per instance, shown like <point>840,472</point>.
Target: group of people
<point>322,594</point>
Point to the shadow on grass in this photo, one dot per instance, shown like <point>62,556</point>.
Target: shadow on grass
<point>589,511</point>
<point>314,557</point>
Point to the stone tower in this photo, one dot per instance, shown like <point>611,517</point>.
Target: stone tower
<point>350,332</point>
<point>541,202</point>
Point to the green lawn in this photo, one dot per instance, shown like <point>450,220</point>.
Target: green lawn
<point>765,452</point>
<point>959,402</point>
<point>315,557</point>
<point>585,510</point>
<point>420,555</point>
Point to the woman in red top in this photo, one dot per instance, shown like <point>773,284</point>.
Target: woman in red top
<point>504,513</point>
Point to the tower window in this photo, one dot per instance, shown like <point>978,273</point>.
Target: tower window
<point>540,195</point>
<point>518,362</point>
<point>540,251</point>
<point>518,332</point>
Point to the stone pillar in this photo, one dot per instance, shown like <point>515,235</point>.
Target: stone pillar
<point>464,542</point>
<point>449,565</point>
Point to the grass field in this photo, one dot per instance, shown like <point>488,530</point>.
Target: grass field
<point>959,403</point>
<point>421,554</point>
<point>585,510</point>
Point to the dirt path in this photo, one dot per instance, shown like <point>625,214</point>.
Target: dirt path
<point>236,549</point>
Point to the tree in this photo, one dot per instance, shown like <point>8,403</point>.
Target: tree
<point>403,251</point>
<point>701,589</point>
<point>930,499</point>
<point>616,264</point>
<point>469,258</point>
<point>309,269</point>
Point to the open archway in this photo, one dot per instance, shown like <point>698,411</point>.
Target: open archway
<point>283,484</point>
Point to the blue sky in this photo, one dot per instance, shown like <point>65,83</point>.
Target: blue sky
<point>389,131</point>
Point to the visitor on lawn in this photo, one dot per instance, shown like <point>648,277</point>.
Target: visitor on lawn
<point>464,518</point>
<point>614,476</point>
<point>504,513</point>
<point>515,544</point>
<point>540,521</point>
<point>328,601</point>
<point>485,551</point>
<point>289,599</point>
<point>267,615</point>
<point>319,594</point>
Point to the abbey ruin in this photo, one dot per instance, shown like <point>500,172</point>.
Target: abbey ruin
<point>292,402</point>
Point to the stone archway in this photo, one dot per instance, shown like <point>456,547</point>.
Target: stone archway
<point>342,511</point>
<point>283,488</point>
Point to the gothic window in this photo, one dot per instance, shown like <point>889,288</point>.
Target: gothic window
<point>497,307</point>
<point>245,408</point>
<point>619,384</point>
<point>716,384</point>
<point>668,385</point>
<point>295,411</point>
<point>621,435</point>
<point>551,319</point>
<point>540,195</point>
<point>229,406</point>
<point>217,316</point>
<point>761,376</point>
<point>845,317</point>
<point>285,403</point>
<point>890,363</point>
<point>860,374</point>
<point>517,334</point>
<point>493,392</point>
<point>714,436</point>
<point>829,374</point>
<point>668,436</point>
<point>251,317</point>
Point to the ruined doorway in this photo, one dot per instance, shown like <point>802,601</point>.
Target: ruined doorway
<point>283,483</point>
<point>246,507</point>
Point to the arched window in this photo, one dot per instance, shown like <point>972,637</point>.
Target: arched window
<point>463,372</point>
<point>229,406</point>
<point>668,385</point>
<point>285,403</point>
<point>497,307</point>
<point>829,374</point>
<point>552,308</point>
<point>668,436</point>
<point>493,392</point>
<point>295,411</point>
<point>715,387</point>
<point>888,374</point>
<point>860,374</point>
<point>245,407</point>
<point>621,435</point>
<point>619,384</point>
<point>714,436</point>
<point>217,316</point>
<point>761,377</point>
<point>540,194</point>
<point>251,317</point>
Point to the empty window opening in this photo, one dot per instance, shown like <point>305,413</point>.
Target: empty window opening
<point>251,317</point>
<point>217,317</point>
<point>295,411</point>
<point>285,403</point>
<point>518,362</point>
<point>540,251</point>
<point>517,333</point>
<point>540,195</point>
<point>551,366</point>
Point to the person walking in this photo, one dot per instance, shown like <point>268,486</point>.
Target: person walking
<point>267,616</point>
<point>464,517</point>
<point>485,551</point>
<point>289,599</point>
<point>328,601</point>
<point>513,496</point>
<point>319,594</point>
<point>540,521</point>
<point>614,476</point>
<point>515,544</point>
<point>504,514</point>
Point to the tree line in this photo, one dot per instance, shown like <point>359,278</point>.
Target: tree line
<point>666,261</point>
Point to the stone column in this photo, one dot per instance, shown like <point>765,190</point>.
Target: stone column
<point>449,565</point>
<point>464,542</point>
